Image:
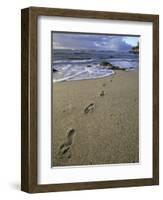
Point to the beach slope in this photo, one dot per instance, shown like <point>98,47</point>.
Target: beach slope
<point>96,121</point>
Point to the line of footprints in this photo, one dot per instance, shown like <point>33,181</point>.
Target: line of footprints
<point>65,148</point>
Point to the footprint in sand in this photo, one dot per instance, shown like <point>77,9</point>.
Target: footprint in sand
<point>102,93</point>
<point>64,149</point>
<point>89,108</point>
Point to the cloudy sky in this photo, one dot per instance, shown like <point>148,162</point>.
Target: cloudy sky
<point>90,41</point>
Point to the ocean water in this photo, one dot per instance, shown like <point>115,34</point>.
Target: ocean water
<point>87,64</point>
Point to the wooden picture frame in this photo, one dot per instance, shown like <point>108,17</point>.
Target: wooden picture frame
<point>29,172</point>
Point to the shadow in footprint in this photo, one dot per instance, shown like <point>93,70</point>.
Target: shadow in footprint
<point>89,108</point>
<point>64,149</point>
<point>102,93</point>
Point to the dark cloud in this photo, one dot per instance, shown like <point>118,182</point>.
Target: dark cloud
<point>90,41</point>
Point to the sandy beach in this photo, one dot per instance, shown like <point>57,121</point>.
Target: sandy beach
<point>96,121</point>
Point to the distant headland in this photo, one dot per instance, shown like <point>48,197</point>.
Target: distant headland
<point>135,49</point>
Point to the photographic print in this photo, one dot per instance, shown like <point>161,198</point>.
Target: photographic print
<point>89,99</point>
<point>95,99</point>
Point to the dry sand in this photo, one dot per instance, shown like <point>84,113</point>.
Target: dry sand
<point>96,121</point>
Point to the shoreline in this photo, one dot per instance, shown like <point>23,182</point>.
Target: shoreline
<point>115,71</point>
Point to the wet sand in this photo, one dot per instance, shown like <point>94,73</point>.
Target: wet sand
<point>96,121</point>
